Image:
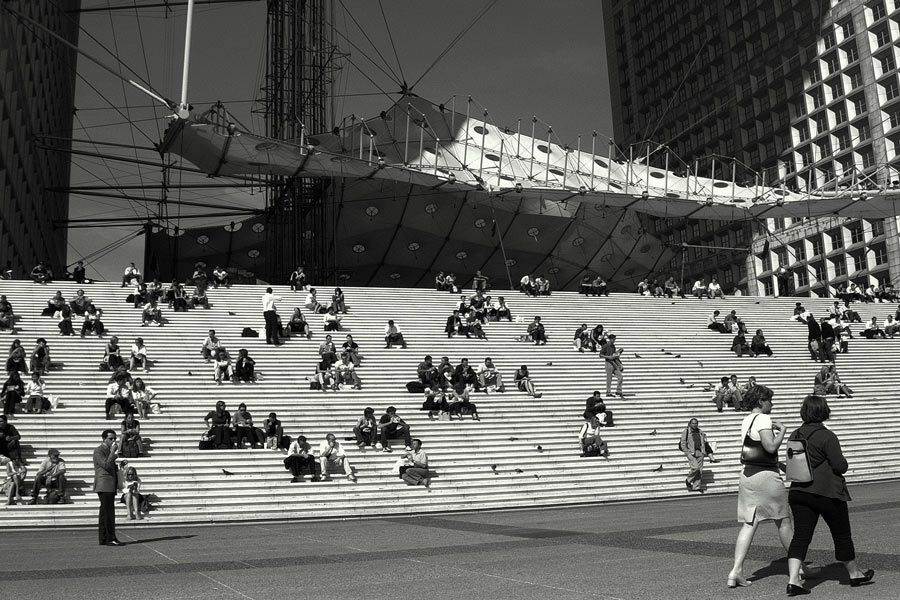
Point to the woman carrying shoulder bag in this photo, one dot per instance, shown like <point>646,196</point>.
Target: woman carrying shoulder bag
<point>826,496</point>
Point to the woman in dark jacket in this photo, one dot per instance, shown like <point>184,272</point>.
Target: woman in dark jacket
<point>826,496</point>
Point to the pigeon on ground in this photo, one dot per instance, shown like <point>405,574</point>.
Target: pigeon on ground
<point>189,373</point>
<point>513,439</point>
<point>536,476</point>
<point>700,363</point>
<point>681,380</point>
<point>539,449</point>
<point>636,355</point>
<point>667,353</point>
<point>549,364</point>
<point>519,471</point>
<point>653,432</point>
<point>232,314</point>
<point>658,469</point>
<point>227,473</point>
<point>677,356</point>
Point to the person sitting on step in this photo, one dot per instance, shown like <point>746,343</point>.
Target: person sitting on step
<point>524,383</point>
<point>415,471</point>
<point>872,330</point>
<point>151,315</point>
<point>727,393</point>
<point>199,297</point>
<point>244,429</point>
<point>325,374</point>
<point>891,326</point>
<point>93,322</point>
<point>299,458</point>
<point>79,303</point>
<point>179,298</point>
<point>331,321</point>
<point>428,373</point>
<point>222,366</point>
<point>759,345</point>
<point>54,305</point>
<point>111,354</point>
<point>828,381</point>
<point>274,432</point>
<point>440,282</point>
<point>489,378</point>
<point>64,318</point>
<point>331,452</point>
<point>345,373</point>
<point>393,335</point>
<point>500,310</point>
<point>16,358</point>
<point>41,273</point>
<point>244,367</point>
<point>14,483</point>
<point>132,442</point>
<point>298,324</point>
<point>536,332</point>
<point>40,356</point>
<point>392,426</point>
<point>455,326</point>
<point>338,302</point>
<point>313,304</point>
<point>118,397</point>
<point>435,403</point>
<point>328,350</point>
<point>298,279</point>
<point>460,403</point>
<point>132,497</point>
<point>218,422</point>
<point>596,406</point>
<point>220,277</point>
<point>12,393</point>
<point>351,348</point>
<point>139,356</point>
<point>35,394</point>
<point>740,346</point>
<point>211,345</point>
<point>366,429</point>
<point>581,338</point>
<point>50,474</point>
<point>7,315</point>
<point>142,397</point>
<point>473,326</point>
<point>589,437</point>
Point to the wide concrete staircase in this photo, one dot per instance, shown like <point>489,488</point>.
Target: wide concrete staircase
<point>524,451</point>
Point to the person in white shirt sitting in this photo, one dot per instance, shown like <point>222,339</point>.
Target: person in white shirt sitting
<point>221,277</point>
<point>210,346</point>
<point>139,356</point>
<point>222,369</point>
<point>34,394</point>
<point>714,290</point>
<point>332,453</point>
<point>489,378</point>
<point>151,314</point>
<point>131,272</point>
<point>699,290</point>
<point>52,475</point>
<point>346,373</point>
<point>332,322</point>
<point>299,458</point>
<point>393,335</point>
<point>313,304</point>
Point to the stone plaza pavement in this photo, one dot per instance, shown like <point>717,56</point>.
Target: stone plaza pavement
<point>671,549</point>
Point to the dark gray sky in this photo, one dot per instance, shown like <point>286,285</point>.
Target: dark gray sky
<point>521,58</point>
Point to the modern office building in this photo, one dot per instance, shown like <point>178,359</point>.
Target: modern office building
<point>37,88</point>
<point>786,92</point>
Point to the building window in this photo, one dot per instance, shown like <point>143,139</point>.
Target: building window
<point>822,122</point>
<point>768,287</point>
<point>821,274</point>
<point>817,246</point>
<point>843,139</point>
<point>882,37</point>
<point>847,29</point>
<point>878,11</point>
<point>880,253</point>
<point>828,39</point>
<point>877,227</point>
<point>894,117</point>
<point>817,97</point>
<point>766,261</point>
<point>868,158</point>
<point>739,238</point>
<point>887,62</point>
<point>837,239</point>
<point>840,113</point>
<point>851,52</point>
<point>833,64</point>
<point>856,78</point>
<point>779,223</point>
<point>863,133</point>
<point>814,75</point>
<point>859,105</point>
<point>891,90</point>
<point>802,278</point>
<point>800,251</point>
<point>860,261</point>
<point>840,266</point>
<point>695,231</point>
<point>856,233</point>
<point>742,271</point>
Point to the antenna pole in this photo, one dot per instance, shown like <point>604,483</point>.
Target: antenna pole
<point>183,111</point>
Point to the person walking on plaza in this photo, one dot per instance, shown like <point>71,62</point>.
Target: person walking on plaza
<point>105,486</point>
<point>825,496</point>
<point>761,492</point>
<point>271,317</point>
<point>693,443</point>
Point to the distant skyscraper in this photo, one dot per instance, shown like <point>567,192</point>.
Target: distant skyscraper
<point>37,88</point>
<point>786,92</point>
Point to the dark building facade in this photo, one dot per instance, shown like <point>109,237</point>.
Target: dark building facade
<point>37,89</point>
<point>717,85</point>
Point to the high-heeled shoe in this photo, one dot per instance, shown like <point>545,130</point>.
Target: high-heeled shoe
<point>734,582</point>
<point>858,581</point>
<point>796,590</point>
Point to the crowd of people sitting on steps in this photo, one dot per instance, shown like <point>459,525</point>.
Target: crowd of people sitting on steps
<point>447,390</point>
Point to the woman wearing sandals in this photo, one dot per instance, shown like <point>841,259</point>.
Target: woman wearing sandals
<point>761,492</point>
<point>826,496</point>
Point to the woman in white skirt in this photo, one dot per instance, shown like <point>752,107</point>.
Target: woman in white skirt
<point>761,492</point>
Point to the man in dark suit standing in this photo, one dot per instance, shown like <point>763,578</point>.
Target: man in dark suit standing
<point>105,486</point>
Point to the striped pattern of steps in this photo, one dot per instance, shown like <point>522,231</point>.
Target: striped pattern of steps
<point>665,340</point>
